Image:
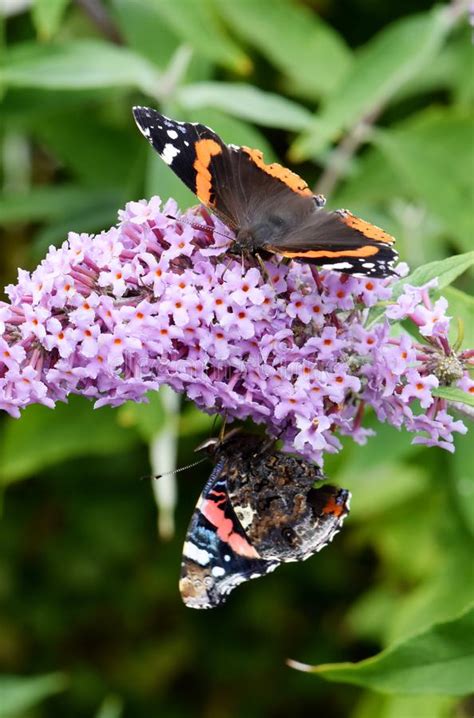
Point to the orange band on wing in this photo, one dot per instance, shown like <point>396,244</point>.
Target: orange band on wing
<point>205,151</point>
<point>333,508</point>
<point>366,251</point>
<point>371,231</point>
<point>225,530</point>
<point>291,179</point>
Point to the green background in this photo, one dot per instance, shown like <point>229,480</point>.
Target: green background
<point>372,103</point>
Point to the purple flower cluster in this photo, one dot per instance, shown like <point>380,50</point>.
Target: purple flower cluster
<point>157,301</point>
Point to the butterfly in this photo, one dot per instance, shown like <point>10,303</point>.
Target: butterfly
<point>269,207</point>
<point>259,509</point>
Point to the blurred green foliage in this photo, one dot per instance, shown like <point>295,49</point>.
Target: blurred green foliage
<point>372,104</point>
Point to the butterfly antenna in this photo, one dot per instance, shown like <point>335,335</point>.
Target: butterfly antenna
<point>175,471</point>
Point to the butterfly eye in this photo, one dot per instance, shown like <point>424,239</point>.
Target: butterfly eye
<point>289,535</point>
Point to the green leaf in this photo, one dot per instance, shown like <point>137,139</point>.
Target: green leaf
<point>367,617</point>
<point>461,306</point>
<point>112,707</point>
<point>452,394</point>
<point>26,105</point>
<point>20,693</point>
<point>375,705</point>
<point>161,181</point>
<point>463,478</point>
<point>433,155</point>
<point>42,437</point>
<point>464,73</point>
<point>294,39</point>
<point>447,591</point>
<point>246,102</point>
<point>439,660</point>
<point>99,212</point>
<point>445,270</point>
<point>392,58</point>
<point>144,31</point>
<point>198,25</point>
<point>80,65</point>
<point>382,487</point>
<point>98,153</point>
<point>47,16</point>
<point>48,202</point>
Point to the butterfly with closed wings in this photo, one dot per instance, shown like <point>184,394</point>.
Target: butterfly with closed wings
<point>260,508</point>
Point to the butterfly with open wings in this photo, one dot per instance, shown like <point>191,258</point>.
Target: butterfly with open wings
<point>269,207</point>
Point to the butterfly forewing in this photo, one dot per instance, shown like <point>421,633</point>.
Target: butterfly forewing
<point>217,555</point>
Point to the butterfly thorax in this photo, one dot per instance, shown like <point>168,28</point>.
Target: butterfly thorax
<point>247,240</point>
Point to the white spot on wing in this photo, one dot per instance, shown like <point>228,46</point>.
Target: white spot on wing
<point>172,134</point>
<point>338,265</point>
<point>245,515</point>
<point>199,555</point>
<point>218,571</point>
<point>169,153</point>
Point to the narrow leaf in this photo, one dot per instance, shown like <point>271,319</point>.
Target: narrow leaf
<point>394,56</point>
<point>47,16</point>
<point>294,39</point>
<point>433,144</point>
<point>28,445</point>
<point>198,24</point>
<point>47,203</point>
<point>444,270</point>
<point>451,393</point>
<point>78,64</point>
<point>144,31</point>
<point>20,693</point>
<point>246,102</point>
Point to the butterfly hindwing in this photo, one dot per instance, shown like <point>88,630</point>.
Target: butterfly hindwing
<point>285,511</point>
<point>339,240</point>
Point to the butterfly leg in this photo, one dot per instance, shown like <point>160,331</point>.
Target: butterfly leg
<point>317,277</point>
<point>264,271</point>
<point>222,429</point>
<point>227,267</point>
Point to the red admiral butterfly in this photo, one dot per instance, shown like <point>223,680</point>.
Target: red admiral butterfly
<point>270,208</point>
<point>258,509</point>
